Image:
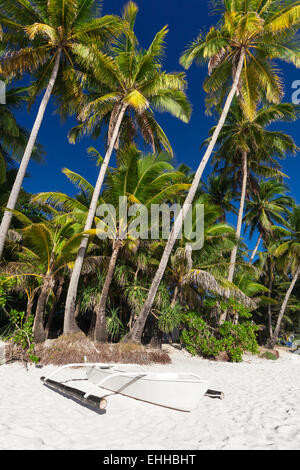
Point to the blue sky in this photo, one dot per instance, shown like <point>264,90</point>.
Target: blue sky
<point>185,20</point>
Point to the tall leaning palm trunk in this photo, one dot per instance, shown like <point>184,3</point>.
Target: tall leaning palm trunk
<point>100,333</point>
<point>135,334</point>
<point>240,217</point>
<point>5,223</point>
<point>70,325</point>
<point>270,295</point>
<point>238,229</point>
<point>272,341</point>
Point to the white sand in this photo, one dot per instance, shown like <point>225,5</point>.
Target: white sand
<point>261,410</point>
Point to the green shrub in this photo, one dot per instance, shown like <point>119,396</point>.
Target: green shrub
<point>200,338</point>
<point>20,332</point>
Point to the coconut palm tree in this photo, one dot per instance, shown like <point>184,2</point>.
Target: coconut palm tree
<point>240,54</point>
<point>221,194</point>
<point>271,273</point>
<point>268,205</point>
<point>187,269</point>
<point>29,285</point>
<point>128,81</point>
<point>289,250</point>
<point>248,149</point>
<point>47,34</point>
<point>45,250</point>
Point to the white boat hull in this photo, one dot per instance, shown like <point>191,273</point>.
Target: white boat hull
<point>178,391</point>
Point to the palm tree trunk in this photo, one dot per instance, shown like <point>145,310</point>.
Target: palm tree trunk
<point>255,249</point>
<point>270,295</point>
<point>240,217</point>
<point>100,333</point>
<point>270,319</point>
<point>173,303</point>
<point>14,194</point>
<point>238,231</point>
<point>39,333</point>
<point>135,334</point>
<point>174,299</point>
<point>273,340</point>
<point>55,302</point>
<point>30,302</point>
<point>70,325</point>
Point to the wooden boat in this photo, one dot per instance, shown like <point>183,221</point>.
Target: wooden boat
<point>179,391</point>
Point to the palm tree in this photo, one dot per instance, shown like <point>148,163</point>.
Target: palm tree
<point>207,268</point>
<point>248,149</point>
<point>220,193</point>
<point>47,33</point>
<point>29,285</point>
<point>240,55</point>
<point>268,205</point>
<point>45,250</point>
<point>290,251</point>
<point>269,269</point>
<point>191,272</point>
<point>129,80</point>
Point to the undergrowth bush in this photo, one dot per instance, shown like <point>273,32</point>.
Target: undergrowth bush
<point>200,338</point>
<point>20,333</point>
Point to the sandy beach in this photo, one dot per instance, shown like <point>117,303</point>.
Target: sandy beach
<point>261,410</point>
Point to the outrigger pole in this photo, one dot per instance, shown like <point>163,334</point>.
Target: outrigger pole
<point>99,403</point>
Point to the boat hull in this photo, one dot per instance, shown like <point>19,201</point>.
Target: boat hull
<point>178,391</point>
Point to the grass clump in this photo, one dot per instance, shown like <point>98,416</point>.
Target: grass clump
<point>78,348</point>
